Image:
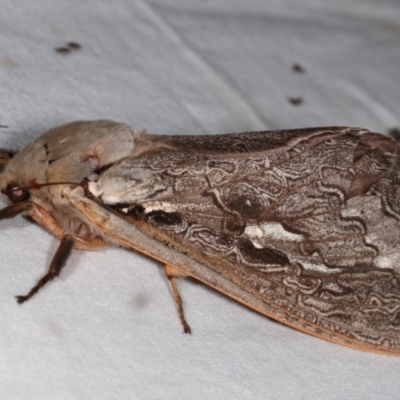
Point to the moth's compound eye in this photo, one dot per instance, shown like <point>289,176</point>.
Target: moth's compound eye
<point>16,194</point>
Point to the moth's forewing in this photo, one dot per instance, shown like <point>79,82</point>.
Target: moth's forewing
<point>306,233</point>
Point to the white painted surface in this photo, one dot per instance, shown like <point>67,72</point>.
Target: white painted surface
<point>108,328</point>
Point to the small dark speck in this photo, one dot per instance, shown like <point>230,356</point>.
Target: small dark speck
<point>296,101</point>
<point>63,50</point>
<point>395,134</point>
<point>141,301</point>
<point>298,69</point>
<point>70,46</point>
<point>8,62</point>
<point>74,45</point>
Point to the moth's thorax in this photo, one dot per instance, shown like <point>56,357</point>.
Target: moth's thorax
<point>68,155</point>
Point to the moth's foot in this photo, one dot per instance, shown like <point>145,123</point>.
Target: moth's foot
<point>22,299</point>
<point>186,328</point>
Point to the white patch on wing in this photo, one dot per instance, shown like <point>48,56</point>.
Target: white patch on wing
<point>159,205</point>
<point>333,286</point>
<point>272,231</point>
<point>391,261</point>
<point>261,235</point>
<point>275,230</point>
<point>94,188</point>
<point>168,207</point>
<point>318,267</point>
<point>119,190</point>
<point>253,231</point>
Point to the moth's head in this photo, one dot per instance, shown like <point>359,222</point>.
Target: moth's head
<point>22,172</point>
<point>12,192</point>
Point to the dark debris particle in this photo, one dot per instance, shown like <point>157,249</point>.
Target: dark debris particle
<point>70,46</point>
<point>74,45</point>
<point>296,101</point>
<point>298,69</point>
<point>63,50</point>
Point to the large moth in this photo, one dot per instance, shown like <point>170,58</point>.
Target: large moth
<point>300,225</point>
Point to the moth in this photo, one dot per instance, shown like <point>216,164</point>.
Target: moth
<point>300,225</point>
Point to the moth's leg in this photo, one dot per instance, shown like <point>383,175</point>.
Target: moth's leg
<point>59,259</point>
<point>90,243</point>
<point>173,273</point>
<point>47,221</point>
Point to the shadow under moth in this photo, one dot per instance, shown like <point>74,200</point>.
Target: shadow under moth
<point>300,225</point>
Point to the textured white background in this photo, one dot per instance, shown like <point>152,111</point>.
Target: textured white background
<point>108,328</point>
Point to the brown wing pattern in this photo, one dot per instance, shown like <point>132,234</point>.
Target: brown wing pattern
<point>309,224</point>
